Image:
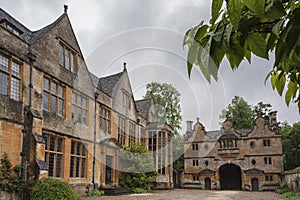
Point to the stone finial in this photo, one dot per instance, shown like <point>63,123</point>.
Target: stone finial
<point>198,120</point>
<point>124,64</point>
<point>65,8</point>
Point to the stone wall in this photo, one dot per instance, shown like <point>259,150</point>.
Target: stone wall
<point>290,180</point>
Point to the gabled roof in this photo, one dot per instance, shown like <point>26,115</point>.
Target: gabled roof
<point>108,83</point>
<point>27,35</point>
<point>95,79</point>
<point>39,33</point>
<point>143,107</point>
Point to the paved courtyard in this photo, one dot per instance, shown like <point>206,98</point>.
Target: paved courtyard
<point>196,195</point>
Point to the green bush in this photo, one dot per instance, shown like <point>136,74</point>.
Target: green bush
<point>96,193</point>
<point>140,191</point>
<point>53,189</point>
<point>288,193</point>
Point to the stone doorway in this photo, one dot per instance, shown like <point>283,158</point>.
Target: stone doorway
<point>207,184</point>
<point>230,177</point>
<point>255,185</point>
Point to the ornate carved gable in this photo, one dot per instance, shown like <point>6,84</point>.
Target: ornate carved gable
<point>207,172</point>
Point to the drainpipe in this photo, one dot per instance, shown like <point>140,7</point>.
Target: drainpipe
<point>95,131</point>
<point>32,59</point>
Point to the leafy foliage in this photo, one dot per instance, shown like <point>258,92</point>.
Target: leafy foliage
<point>246,27</point>
<point>140,191</point>
<point>10,177</point>
<point>167,103</point>
<point>288,193</point>
<point>242,114</point>
<point>291,146</point>
<point>96,193</point>
<point>52,189</point>
<point>138,168</point>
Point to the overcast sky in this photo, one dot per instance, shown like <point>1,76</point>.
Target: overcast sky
<point>148,34</point>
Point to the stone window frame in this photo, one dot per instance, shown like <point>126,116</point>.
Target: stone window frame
<point>126,100</point>
<point>152,144</point>
<point>269,178</point>
<point>78,160</point>
<point>131,133</point>
<point>195,162</point>
<point>122,130</point>
<point>67,57</point>
<point>58,93</point>
<point>54,146</point>
<point>195,147</point>
<point>104,119</point>
<point>143,135</point>
<point>80,107</point>
<point>268,160</point>
<point>196,178</point>
<point>13,71</point>
<point>267,143</point>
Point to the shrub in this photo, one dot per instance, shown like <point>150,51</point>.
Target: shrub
<point>282,190</point>
<point>96,193</point>
<point>10,177</point>
<point>52,189</point>
<point>140,191</point>
<point>288,193</point>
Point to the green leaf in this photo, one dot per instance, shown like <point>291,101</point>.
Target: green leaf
<point>215,10</point>
<point>234,8</point>
<point>277,27</point>
<point>280,83</point>
<point>291,92</point>
<point>273,79</point>
<point>191,57</point>
<point>201,32</point>
<point>257,45</point>
<point>257,6</point>
<point>203,59</point>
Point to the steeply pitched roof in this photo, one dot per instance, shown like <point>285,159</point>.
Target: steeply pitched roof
<point>108,83</point>
<point>95,79</point>
<point>213,134</point>
<point>143,107</point>
<point>25,32</point>
<point>27,35</point>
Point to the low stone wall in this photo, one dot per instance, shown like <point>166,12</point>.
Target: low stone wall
<point>291,180</point>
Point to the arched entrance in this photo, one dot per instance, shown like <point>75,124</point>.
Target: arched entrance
<point>207,184</point>
<point>254,183</point>
<point>230,177</point>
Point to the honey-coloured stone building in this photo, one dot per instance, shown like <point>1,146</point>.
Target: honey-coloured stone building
<point>230,159</point>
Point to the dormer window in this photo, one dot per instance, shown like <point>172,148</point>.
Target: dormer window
<point>66,57</point>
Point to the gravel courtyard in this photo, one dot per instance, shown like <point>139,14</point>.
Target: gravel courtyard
<point>196,195</point>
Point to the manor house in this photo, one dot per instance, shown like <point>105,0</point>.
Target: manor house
<point>59,120</point>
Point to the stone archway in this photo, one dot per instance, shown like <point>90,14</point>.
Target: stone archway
<point>230,177</point>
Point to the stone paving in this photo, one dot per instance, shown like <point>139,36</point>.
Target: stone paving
<point>182,194</point>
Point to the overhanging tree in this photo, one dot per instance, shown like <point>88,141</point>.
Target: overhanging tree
<point>167,103</point>
<point>245,27</point>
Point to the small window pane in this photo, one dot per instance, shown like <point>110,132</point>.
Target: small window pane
<point>83,168</point>
<point>72,167</point>
<point>78,149</point>
<point>84,102</point>
<point>60,107</point>
<point>53,87</point>
<point>53,104</point>
<point>74,113</point>
<point>3,63</point>
<point>16,69</point>
<point>79,100</point>
<point>46,84</point>
<point>3,83</point>
<point>60,91</point>
<point>77,166</point>
<point>51,165</point>
<point>74,98</point>
<point>73,148</point>
<point>67,59</point>
<point>72,60</point>
<point>52,143</point>
<point>15,89</point>
<point>83,150</point>
<point>84,116</point>
<point>46,101</point>
<point>59,145</point>
<point>58,165</point>
<point>79,115</point>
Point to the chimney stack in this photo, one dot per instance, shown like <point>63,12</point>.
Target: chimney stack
<point>273,118</point>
